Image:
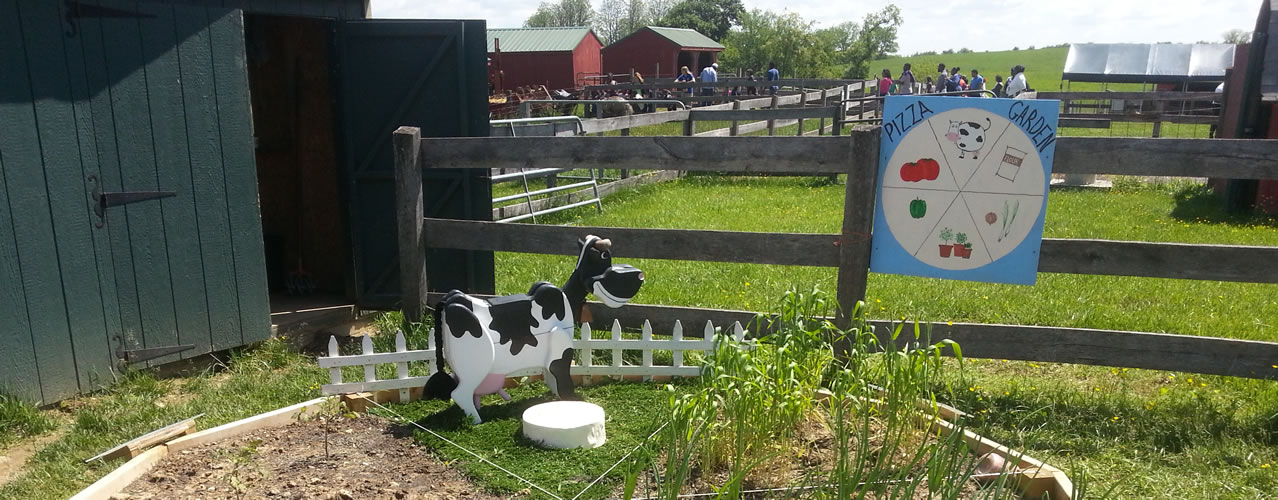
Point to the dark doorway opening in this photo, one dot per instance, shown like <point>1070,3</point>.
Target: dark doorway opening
<point>291,83</point>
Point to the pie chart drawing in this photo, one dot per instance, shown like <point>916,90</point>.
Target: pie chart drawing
<point>962,188</point>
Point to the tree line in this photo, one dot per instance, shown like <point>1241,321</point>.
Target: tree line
<point>752,39</point>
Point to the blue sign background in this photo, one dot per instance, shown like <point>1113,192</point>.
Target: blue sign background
<point>902,115</point>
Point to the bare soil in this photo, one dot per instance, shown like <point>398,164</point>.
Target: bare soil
<point>12,460</point>
<point>366,457</point>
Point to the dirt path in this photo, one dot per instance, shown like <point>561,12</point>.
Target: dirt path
<point>15,458</point>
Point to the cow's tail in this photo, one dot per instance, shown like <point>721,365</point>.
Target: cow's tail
<point>988,123</point>
<point>441,384</point>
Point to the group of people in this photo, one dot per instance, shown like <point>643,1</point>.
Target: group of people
<point>951,81</point>
<point>711,74</point>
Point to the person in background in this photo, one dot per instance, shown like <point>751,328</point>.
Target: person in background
<point>928,87</point>
<point>885,83</point>
<point>709,75</point>
<point>906,81</point>
<point>1016,83</point>
<point>955,82</point>
<point>772,76</point>
<point>978,81</point>
<point>998,86</point>
<point>685,75</point>
<point>751,90</point>
<point>645,107</point>
<point>941,78</point>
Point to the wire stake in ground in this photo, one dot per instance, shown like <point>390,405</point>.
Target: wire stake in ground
<point>471,453</point>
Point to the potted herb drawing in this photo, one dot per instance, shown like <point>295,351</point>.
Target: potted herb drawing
<point>962,248</point>
<point>946,235</point>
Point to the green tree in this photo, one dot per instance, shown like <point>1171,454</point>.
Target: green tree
<point>875,39</point>
<point>1237,36</point>
<point>618,18</point>
<point>563,13</point>
<point>786,39</point>
<point>712,18</point>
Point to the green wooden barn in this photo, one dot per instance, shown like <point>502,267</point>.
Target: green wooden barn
<point>170,170</point>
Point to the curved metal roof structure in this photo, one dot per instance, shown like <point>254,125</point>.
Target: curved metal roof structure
<point>1148,63</point>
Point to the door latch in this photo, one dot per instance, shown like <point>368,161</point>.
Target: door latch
<point>104,200</point>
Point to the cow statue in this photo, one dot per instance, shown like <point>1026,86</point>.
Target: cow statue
<point>484,340</point>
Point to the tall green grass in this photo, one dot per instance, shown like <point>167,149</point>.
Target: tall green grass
<point>19,420</point>
<point>752,398</point>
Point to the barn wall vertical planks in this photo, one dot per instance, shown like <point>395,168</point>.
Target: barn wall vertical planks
<point>113,95</point>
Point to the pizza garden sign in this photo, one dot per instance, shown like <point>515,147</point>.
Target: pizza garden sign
<point>962,189</point>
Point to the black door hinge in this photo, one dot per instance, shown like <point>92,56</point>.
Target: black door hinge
<point>104,200</point>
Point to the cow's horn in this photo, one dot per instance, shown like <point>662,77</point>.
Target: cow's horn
<point>603,244</point>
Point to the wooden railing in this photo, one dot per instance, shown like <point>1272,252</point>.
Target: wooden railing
<point>849,251</point>
<point>826,99</point>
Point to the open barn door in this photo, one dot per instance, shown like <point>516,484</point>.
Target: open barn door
<point>428,74</point>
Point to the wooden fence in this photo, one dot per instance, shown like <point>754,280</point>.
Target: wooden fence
<point>1102,109</point>
<point>587,344</point>
<point>767,112</point>
<point>849,251</point>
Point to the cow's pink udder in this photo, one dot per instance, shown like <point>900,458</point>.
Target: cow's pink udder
<point>491,384</point>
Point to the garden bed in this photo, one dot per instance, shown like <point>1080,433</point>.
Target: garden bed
<point>353,457</point>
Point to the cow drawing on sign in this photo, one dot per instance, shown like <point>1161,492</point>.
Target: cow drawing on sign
<point>968,136</point>
<point>484,340</point>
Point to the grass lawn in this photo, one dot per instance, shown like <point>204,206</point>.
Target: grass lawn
<point>1163,435</point>
<point>633,410</point>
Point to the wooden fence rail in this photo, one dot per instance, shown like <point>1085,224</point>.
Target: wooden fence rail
<point>737,82</point>
<point>849,250</point>
<point>1228,158</point>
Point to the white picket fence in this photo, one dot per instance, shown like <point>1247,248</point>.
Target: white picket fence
<point>586,345</point>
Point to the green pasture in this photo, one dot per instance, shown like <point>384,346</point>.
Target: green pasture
<point>1161,434</point>
<point>1043,67</point>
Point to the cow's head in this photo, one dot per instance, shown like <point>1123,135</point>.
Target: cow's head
<point>614,285</point>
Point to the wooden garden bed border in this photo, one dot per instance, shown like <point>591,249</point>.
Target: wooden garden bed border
<point>128,472</point>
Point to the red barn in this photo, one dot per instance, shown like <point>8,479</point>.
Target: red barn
<point>659,52</point>
<point>555,57</point>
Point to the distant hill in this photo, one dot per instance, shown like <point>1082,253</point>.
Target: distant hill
<point>1043,67</point>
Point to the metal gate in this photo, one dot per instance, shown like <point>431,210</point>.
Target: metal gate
<point>428,74</point>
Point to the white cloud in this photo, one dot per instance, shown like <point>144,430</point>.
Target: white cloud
<point>939,25</point>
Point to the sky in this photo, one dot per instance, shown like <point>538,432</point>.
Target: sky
<point>932,25</point>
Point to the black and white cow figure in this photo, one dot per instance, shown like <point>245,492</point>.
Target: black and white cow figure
<point>968,136</point>
<point>484,340</point>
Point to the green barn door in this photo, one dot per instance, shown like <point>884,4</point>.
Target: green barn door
<point>188,252</point>
<point>428,74</point>
<point>176,187</point>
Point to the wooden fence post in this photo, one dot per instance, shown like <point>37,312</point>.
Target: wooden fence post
<point>858,215</point>
<point>1158,124</point>
<point>825,101</point>
<point>840,112</point>
<point>689,127</point>
<point>732,131</point>
<point>803,103</point>
<point>625,172</point>
<point>772,124</point>
<point>409,216</point>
